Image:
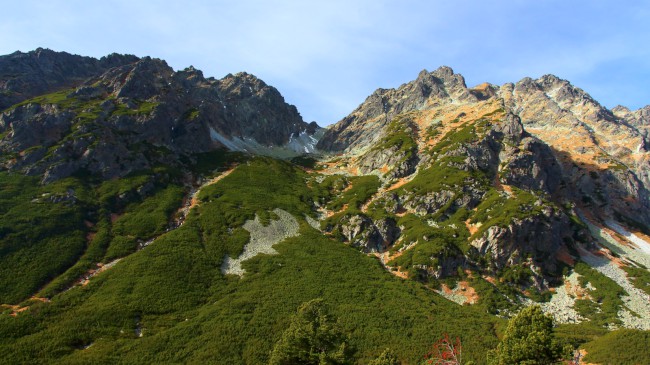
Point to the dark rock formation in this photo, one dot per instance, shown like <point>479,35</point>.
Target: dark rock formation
<point>368,235</point>
<point>132,115</point>
<point>25,75</point>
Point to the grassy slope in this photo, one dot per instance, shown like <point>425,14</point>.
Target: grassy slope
<point>191,313</point>
<point>622,347</point>
<point>39,236</point>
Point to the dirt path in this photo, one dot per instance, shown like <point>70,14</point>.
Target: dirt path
<point>188,203</point>
<point>192,199</point>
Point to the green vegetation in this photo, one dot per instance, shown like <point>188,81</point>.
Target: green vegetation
<point>359,190</point>
<point>173,292</point>
<point>622,347</point>
<point>141,108</point>
<point>446,172</point>
<point>606,300</point>
<point>385,358</point>
<point>190,114</point>
<point>206,163</point>
<point>529,339</point>
<point>60,98</point>
<point>440,176</point>
<point>516,274</point>
<point>345,195</point>
<point>580,333</point>
<point>305,161</point>
<point>434,244</point>
<point>170,302</point>
<point>313,337</point>
<point>499,209</point>
<point>494,299</point>
<point>41,232</point>
<point>51,235</point>
<point>455,138</point>
<point>640,277</point>
<point>86,110</point>
<point>143,220</point>
<point>399,138</point>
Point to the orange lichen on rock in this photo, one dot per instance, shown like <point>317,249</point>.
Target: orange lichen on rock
<point>472,228</point>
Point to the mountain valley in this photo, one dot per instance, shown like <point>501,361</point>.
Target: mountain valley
<point>159,216</point>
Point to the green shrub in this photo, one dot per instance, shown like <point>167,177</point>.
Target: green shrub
<point>621,347</point>
<point>313,337</point>
<point>529,339</point>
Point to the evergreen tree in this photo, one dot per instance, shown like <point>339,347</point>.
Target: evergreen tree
<point>529,340</point>
<point>313,337</point>
<point>386,358</point>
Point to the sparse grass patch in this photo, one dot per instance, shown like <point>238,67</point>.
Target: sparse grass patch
<point>498,209</point>
<point>606,303</point>
<point>142,108</point>
<point>639,277</point>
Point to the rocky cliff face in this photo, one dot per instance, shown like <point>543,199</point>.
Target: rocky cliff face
<point>121,114</point>
<point>510,161</point>
<point>25,75</point>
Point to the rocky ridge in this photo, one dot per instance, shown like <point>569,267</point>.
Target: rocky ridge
<point>514,164</point>
<point>96,118</point>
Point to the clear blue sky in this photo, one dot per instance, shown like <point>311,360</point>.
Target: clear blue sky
<point>327,56</point>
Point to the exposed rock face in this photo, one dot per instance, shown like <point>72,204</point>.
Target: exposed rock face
<point>539,237</point>
<point>526,162</point>
<point>129,116</point>
<point>397,162</point>
<point>570,129</point>
<point>583,132</point>
<point>370,236</point>
<point>429,89</point>
<point>535,139</point>
<point>25,75</point>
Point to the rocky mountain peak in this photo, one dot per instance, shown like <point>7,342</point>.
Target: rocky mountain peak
<point>428,90</point>
<point>548,117</point>
<point>25,75</point>
<point>92,121</point>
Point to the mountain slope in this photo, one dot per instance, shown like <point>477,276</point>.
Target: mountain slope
<point>503,180</point>
<point>147,108</point>
<point>139,222</point>
<point>25,75</point>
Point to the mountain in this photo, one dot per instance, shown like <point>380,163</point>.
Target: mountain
<point>25,75</point>
<point>534,175</point>
<point>95,117</point>
<point>584,136</point>
<point>158,216</point>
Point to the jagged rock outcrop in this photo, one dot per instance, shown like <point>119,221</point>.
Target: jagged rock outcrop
<point>396,162</point>
<point>366,234</point>
<point>525,161</point>
<point>25,75</point>
<point>561,127</point>
<point>429,89</point>
<point>584,133</point>
<point>541,144</point>
<point>130,116</point>
<point>539,237</point>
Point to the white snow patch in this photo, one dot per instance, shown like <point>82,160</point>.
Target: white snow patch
<point>303,143</point>
<point>611,243</point>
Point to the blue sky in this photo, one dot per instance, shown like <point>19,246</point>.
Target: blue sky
<point>326,57</point>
